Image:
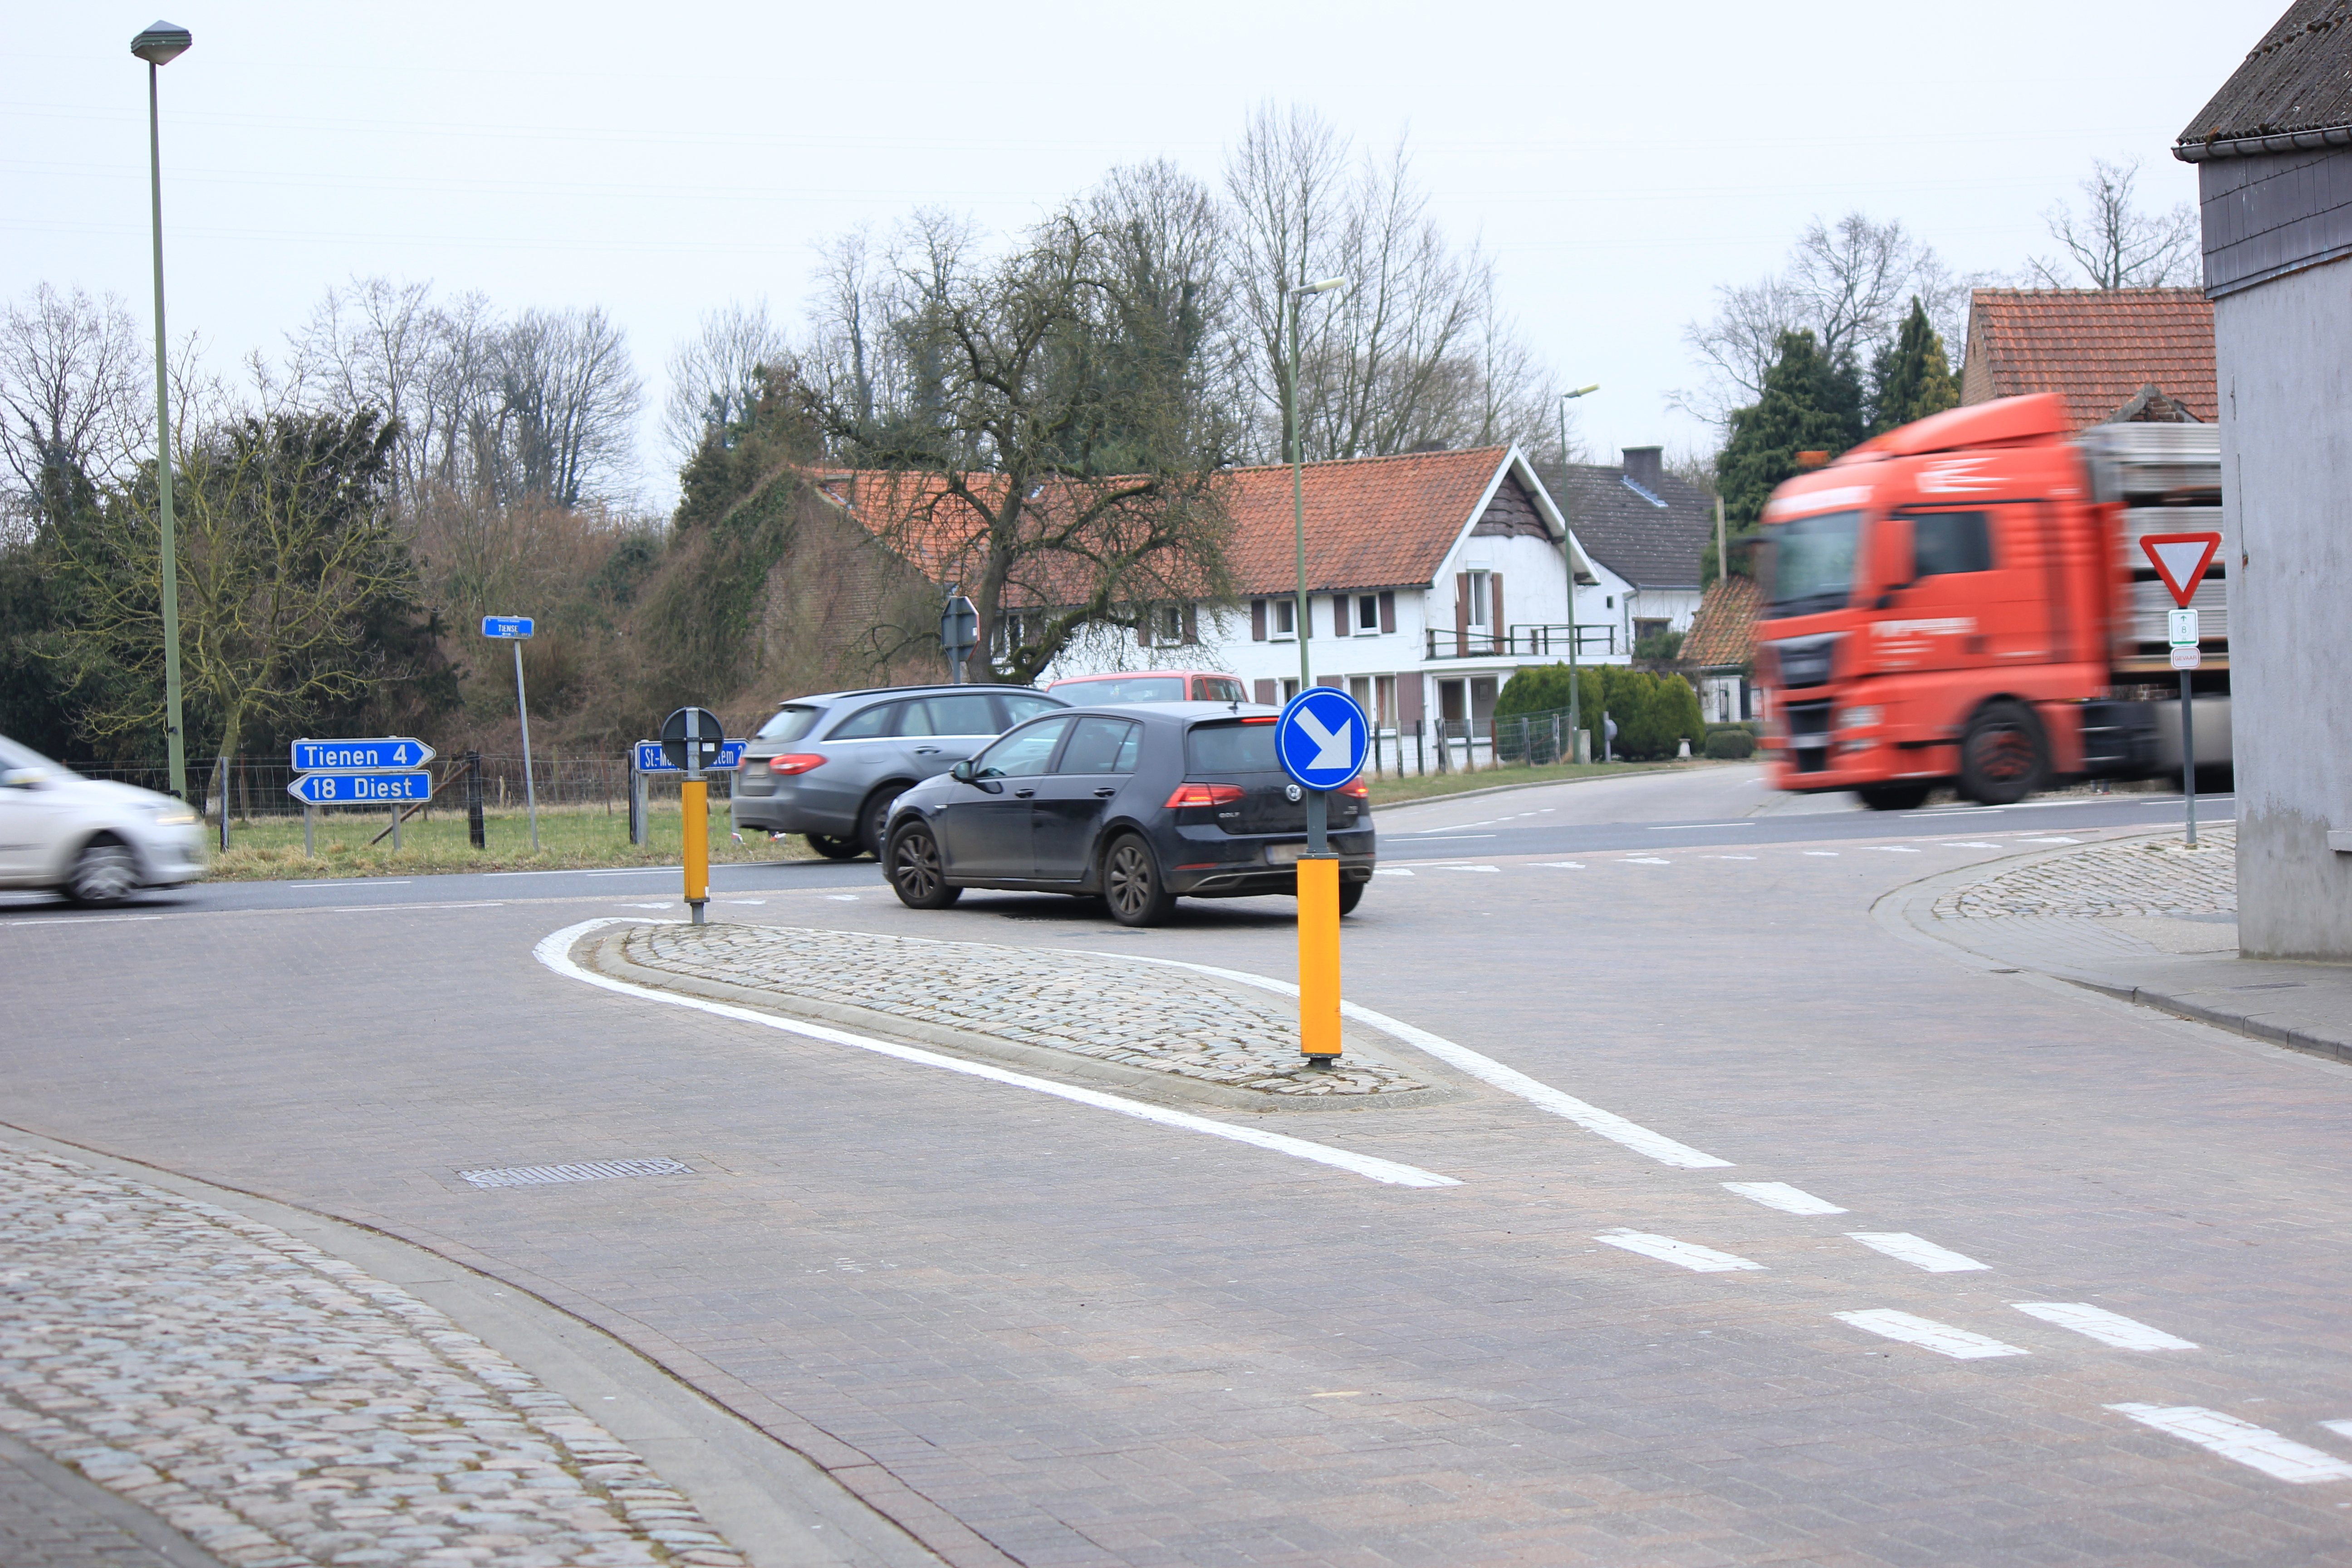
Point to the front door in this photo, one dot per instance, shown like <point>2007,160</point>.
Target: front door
<point>1067,810</point>
<point>984,827</point>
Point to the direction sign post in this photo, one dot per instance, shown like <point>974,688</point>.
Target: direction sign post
<point>1321,740</point>
<point>515,629</point>
<point>959,630</point>
<point>692,739</point>
<point>2180,559</point>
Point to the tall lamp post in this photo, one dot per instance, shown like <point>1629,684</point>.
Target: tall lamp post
<point>1298,481</point>
<point>1567,555</point>
<point>158,46</point>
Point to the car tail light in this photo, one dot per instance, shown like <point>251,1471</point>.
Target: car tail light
<point>792,763</point>
<point>1203,794</point>
<point>1261,721</point>
<point>1357,788</point>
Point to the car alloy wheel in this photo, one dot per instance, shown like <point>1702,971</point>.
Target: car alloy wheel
<point>916,874</point>
<point>104,873</point>
<point>1132,885</point>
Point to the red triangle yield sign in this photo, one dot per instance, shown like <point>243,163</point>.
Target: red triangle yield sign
<point>2180,559</point>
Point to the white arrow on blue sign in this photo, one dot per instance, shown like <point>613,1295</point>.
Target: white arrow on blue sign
<point>1322,739</point>
<point>356,756</point>
<point>361,789</point>
<point>511,626</point>
<point>651,761</point>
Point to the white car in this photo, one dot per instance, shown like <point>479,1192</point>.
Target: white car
<point>94,841</point>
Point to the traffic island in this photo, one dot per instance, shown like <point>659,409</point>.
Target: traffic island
<point>2144,919</point>
<point>1154,1031</point>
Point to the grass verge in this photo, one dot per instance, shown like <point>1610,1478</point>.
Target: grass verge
<point>570,838</point>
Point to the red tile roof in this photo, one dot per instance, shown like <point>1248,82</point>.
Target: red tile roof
<point>1723,633</point>
<point>1371,522</point>
<point>2096,348</point>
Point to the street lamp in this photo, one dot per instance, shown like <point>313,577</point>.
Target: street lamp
<point>160,45</point>
<point>1568,555</point>
<point>1298,477</point>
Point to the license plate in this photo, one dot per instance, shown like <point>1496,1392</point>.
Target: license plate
<point>1284,854</point>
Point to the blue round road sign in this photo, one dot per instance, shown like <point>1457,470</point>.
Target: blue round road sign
<point>1322,738</point>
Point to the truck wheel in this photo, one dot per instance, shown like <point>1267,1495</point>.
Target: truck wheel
<point>1894,797</point>
<point>2004,757</point>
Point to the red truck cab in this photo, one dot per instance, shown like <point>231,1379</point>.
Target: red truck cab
<point>1945,604</point>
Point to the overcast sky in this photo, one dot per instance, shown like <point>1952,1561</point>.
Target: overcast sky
<point>1619,160</point>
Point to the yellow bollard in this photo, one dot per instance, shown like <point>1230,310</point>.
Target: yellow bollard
<point>1318,959</point>
<point>696,810</point>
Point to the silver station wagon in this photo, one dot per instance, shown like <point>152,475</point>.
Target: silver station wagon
<point>828,766</point>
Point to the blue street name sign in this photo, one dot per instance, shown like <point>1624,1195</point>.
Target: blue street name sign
<point>1322,739</point>
<point>651,761</point>
<point>357,756</point>
<point>361,789</point>
<point>506,625</point>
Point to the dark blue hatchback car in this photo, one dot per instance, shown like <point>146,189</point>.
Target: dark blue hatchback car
<point>1136,804</point>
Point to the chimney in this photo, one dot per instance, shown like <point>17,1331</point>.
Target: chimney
<point>1646,466</point>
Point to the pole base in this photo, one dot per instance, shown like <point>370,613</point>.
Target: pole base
<point>695,905</point>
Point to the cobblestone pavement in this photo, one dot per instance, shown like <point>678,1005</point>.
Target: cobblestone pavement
<point>2133,876</point>
<point>1135,1015</point>
<point>281,1408</point>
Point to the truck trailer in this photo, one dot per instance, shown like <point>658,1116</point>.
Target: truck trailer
<point>1964,601</point>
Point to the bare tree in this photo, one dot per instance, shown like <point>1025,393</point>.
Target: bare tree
<point>74,402</point>
<point>2112,244</point>
<point>374,344</point>
<point>1849,283</point>
<point>715,376</point>
<point>565,423</point>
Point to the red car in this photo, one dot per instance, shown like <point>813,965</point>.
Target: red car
<point>1152,686</point>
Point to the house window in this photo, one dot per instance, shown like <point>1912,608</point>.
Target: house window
<point>1286,618</point>
<point>1643,628</point>
<point>1289,690</point>
<point>1368,613</point>
<point>1168,622</point>
<point>1478,581</point>
<point>1359,687</point>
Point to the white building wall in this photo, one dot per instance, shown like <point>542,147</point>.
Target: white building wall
<point>2286,466</point>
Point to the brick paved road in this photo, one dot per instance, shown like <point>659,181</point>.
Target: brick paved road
<point>1084,1339</point>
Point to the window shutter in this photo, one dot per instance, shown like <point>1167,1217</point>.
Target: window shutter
<point>1496,624</point>
<point>1143,626</point>
<point>1461,611</point>
<point>1192,623</point>
<point>1327,680</point>
<point>1340,614</point>
<point>1267,694</point>
<point>1409,700</point>
<point>1388,612</point>
<point>1257,620</point>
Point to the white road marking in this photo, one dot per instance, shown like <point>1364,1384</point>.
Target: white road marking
<point>554,951</point>
<point>1964,811</point>
<point>1927,1335</point>
<point>2281,1458</point>
<point>1917,1251</point>
<point>843,898</point>
<point>1496,869</point>
<point>1563,864</point>
<point>79,919</point>
<point>1971,846</point>
<point>2341,1429</point>
<point>2108,1328</point>
<point>1667,1249</point>
<point>1726,857</point>
<point>1390,871</point>
<point>1644,861</point>
<point>1447,838</point>
<point>629,906</point>
<point>347,882</point>
<point>1782,1196</point>
<point>2050,841</point>
<point>1893,849</point>
<point>370,909</point>
<point>1693,826</point>
<point>743,900</point>
<point>1484,1068</point>
<point>1830,853</point>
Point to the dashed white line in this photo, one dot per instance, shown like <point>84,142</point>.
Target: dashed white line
<point>1726,857</point>
<point>1927,1335</point>
<point>1782,1196</point>
<point>2108,1328</point>
<point>1497,870</point>
<point>1831,854</point>
<point>1971,846</point>
<point>1695,827</point>
<point>554,951</point>
<point>1917,1251</point>
<point>1644,861</point>
<point>1563,864</point>
<point>2050,841</point>
<point>1667,1249</point>
<point>1390,871</point>
<point>2281,1458</point>
<point>1893,849</point>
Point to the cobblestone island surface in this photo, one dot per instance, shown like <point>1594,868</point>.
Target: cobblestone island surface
<point>280,1408</point>
<point>2133,876</point>
<point>1136,1015</point>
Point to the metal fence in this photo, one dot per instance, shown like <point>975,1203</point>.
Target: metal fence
<point>576,780</point>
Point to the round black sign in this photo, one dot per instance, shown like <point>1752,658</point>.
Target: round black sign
<point>690,739</point>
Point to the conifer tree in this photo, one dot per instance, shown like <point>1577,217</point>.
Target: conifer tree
<point>1810,402</point>
<point>1913,377</point>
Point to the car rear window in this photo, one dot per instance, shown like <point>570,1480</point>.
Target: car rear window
<point>790,723</point>
<point>1130,688</point>
<point>1021,706</point>
<point>1217,688</point>
<point>866,724</point>
<point>1231,749</point>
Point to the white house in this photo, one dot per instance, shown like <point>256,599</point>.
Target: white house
<point>1647,527</point>
<point>1430,577</point>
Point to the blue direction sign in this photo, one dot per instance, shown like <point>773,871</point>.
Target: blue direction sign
<point>361,789</point>
<point>1322,738</point>
<point>359,756</point>
<point>651,761</point>
<point>511,626</point>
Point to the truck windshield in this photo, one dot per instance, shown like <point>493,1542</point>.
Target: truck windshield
<point>1810,566</point>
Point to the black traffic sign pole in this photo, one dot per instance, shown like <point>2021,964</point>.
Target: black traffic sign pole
<point>959,630</point>
<point>474,801</point>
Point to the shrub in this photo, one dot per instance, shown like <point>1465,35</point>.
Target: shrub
<point>1730,743</point>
